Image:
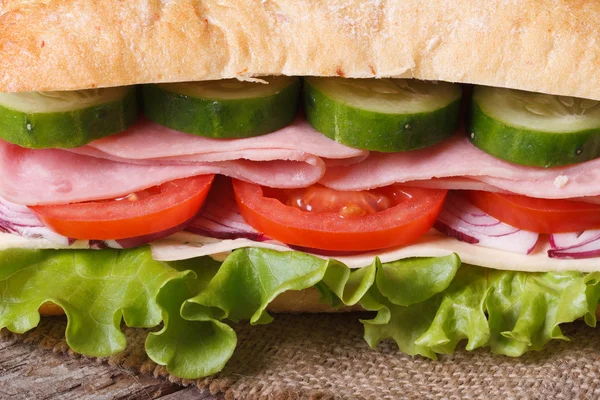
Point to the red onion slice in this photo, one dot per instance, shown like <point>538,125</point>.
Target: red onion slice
<point>464,221</point>
<point>588,250</point>
<point>562,241</point>
<point>470,214</point>
<point>575,245</point>
<point>19,220</point>
<point>484,223</point>
<point>137,241</point>
<point>221,218</point>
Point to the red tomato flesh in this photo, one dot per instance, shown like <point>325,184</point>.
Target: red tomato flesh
<point>322,218</point>
<point>142,213</point>
<point>538,215</point>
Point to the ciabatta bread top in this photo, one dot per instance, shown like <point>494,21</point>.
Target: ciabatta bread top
<point>550,46</point>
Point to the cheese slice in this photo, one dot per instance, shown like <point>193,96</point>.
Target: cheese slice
<point>185,245</point>
<point>10,241</point>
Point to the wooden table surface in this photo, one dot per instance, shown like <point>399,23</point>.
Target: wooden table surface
<point>28,372</point>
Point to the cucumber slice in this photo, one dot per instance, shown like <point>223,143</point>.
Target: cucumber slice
<point>534,129</point>
<point>65,119</point>
<point>382,114</point>
<point>224,109</point>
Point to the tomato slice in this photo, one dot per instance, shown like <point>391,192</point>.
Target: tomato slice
<point>538,215</point>
<point>326,219</point>
<point>142,213</point>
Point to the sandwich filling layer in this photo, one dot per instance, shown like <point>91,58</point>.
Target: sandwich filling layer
<point>376,193</point>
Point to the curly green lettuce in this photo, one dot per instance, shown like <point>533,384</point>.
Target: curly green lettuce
<point>97,290</point>
<point>427,305</point>
<point>511,312</point>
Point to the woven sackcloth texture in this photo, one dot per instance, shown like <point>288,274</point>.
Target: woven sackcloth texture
<point>324,356</point>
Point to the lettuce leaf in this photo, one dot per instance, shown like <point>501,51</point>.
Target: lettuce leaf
<point>414,280</point>
<point>511,312</point>
<point>96,289</point>
<point>190,348</point>
<point>526,309</point>
<point>405,314</point>
<point>249,279</point>
<point>241,289</point>
<point>593,297</point>
<point>427,305</point>
<point>99,289</point>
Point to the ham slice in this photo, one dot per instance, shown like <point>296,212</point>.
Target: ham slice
<point>455,183</point>
<point>35,177</point>
<point>148,142</point>
<point>148,155</point>
<point>458,158</point>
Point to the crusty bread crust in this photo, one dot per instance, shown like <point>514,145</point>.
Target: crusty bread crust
<point>49,309</point>
<point>537,45</point>
<point>304,301</point>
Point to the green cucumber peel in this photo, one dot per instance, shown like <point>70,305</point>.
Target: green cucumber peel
<point>380,128</point>
<point>67,126</point>
<point>224,115</point>
<point>525,132</point>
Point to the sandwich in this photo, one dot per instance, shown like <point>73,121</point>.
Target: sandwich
<point>181,165</point>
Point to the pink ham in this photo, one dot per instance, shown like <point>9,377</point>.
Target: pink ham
<point>455,183</point>
<point>457,157</point>
<point>150,142</point>
<point>148,155</point>
<point>35,177</point>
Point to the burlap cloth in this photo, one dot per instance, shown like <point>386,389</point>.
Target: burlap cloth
<point>324,356</point>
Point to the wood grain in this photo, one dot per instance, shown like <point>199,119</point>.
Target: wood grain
<point>28,372</point>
